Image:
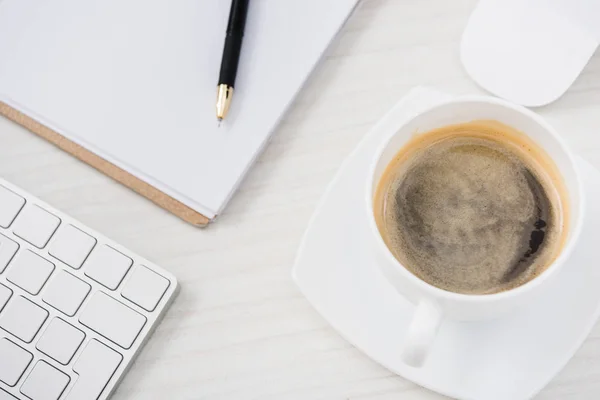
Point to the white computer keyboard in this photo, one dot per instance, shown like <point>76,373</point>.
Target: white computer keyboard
<point>75,307</point>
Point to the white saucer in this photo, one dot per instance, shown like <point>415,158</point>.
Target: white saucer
<point>512,358</point>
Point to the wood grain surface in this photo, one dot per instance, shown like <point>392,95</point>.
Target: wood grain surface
<point>240,329</point>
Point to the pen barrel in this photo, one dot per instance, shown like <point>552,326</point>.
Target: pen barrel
<point>231,58</point>
<point>237,17</point>
<point>233,42</point>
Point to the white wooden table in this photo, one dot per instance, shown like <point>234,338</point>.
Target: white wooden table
<point>240,329</point>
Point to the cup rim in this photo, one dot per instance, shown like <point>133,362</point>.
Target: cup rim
<point>551,270</point>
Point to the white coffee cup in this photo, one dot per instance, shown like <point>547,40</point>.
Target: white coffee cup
<point>433,304</point>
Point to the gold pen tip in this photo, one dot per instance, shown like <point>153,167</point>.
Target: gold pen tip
<point>224,93</point>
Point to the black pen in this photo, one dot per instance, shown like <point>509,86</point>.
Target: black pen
<point>231,55</point>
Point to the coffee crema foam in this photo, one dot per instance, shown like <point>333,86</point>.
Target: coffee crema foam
<point>473,208</point>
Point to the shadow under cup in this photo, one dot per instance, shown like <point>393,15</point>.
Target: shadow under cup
<point>487,109</point>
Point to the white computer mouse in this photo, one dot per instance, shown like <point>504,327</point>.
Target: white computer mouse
<point>530,51</point>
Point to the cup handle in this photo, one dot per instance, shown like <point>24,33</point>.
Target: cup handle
<point>421,333</point>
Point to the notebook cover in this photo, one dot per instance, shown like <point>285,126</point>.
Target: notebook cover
<point>136,100</point>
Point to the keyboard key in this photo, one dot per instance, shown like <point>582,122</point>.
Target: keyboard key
<point>95,366</point>
<point>29,271</point>
<point>107,266</point>
<point>44,382</point>
<point>13,362</point>
<point>112,319</point>
<point>22,318</point>
<point>145,288</point>
<point>6,396</point>
<point>8,248</point>
<point>5,294</point>
<point>35,225</point>
<point>60,341</point>
<point>66,292</point>
<point>71,246</point>
<point>10,205</point>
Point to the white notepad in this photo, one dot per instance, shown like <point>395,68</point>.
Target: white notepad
<point>134,81</point>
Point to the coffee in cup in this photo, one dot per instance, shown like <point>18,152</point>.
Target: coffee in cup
<point>472,208</point>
